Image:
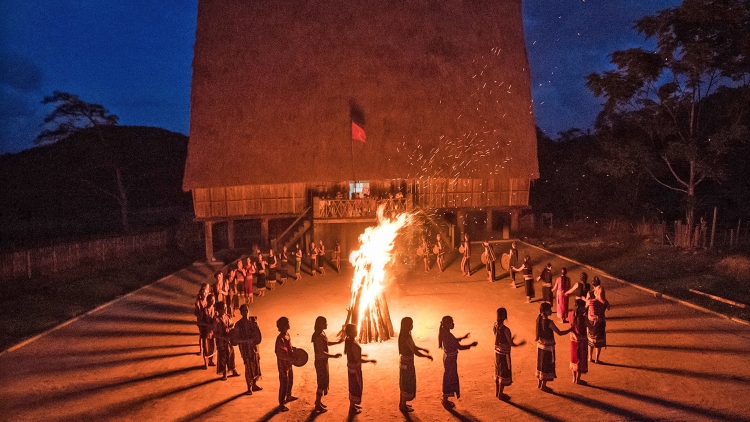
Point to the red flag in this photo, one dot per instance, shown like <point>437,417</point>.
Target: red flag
<point>358,134</point>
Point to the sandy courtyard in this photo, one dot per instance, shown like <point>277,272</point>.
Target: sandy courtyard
<point>136,358</point>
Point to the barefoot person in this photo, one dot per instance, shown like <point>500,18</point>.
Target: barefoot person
<point>298,263</point>
<point>513,253</point>
<point>200,303</point>
<point>337,256</point>
<point>354,361</point>
<point>425,254</point>
<point>407,379</point>
<point>450,345</point>
<point>206,324</point>
<point>489,254</point>
<point>224,349</point>
<point>320,345</point>
<point>321,258</point>
<point>528,278</point>
<point>546,279</point>
<point>247,336</point>
<point>597,326</point>
<point>503,343</point>
<point>466,260</point>
<point>545,338</point>
<point>284,266</point>
<point>284,359</point>
<point>249,280</point>
<point>579,351</point>
<point>562,285</point>
<point>440,252</point>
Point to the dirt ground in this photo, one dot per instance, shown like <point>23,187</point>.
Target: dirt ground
<point>136,358</point>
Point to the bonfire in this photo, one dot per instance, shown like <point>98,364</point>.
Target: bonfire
<point>368,309</point>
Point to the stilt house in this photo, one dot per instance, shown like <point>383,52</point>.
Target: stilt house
<point>440,88</point>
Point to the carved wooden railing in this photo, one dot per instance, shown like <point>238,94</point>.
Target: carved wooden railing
<point>358,208</point>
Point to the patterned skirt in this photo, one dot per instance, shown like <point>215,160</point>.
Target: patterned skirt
<point>356,383</point>
<point>503,368</point>
<point>545,363</point>
<point>578,356</point>
<point>407,381</point>
<point>597,332</point>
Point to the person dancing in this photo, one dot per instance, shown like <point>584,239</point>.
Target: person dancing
<point>450,345</point>
<point>528,278</point>
<point>546,278</point>
<point>597,326</point>
<point>503,343</point>
<point>562,285</point>
<point>489,254</point>
<point>407,379</point>
<point>440,252</point>
<point>466,260</point>
<point>320,345</point>
<point>545,338</point>
<point>578,345</point>
<point>354,361</point>
<point>337,256</point>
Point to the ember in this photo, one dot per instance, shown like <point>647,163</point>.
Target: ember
<point>368,309</point>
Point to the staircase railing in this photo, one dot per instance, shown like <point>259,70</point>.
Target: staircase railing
<point>275,241</point>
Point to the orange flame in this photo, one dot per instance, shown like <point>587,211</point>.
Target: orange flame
<point>370,261</point>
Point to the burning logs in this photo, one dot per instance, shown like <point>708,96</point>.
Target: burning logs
<point>368,308</point>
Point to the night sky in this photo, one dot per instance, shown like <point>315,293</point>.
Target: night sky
<point>134,57</point>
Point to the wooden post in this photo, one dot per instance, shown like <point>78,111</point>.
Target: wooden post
<point>264,231</point>
<point>28,263</point>
<point>230,234</point>
<point>208,227</point>
<point>713,229</point>
<point>514,214</point>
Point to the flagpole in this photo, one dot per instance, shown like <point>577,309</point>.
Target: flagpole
<point>351,147</point>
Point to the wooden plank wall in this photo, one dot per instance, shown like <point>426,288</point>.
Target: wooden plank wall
<point>250,200</point>
<point>474,193</point>
<point>257,200</point>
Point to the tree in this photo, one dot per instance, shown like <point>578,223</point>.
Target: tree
<point>72,115</point>
<point>666,111</point>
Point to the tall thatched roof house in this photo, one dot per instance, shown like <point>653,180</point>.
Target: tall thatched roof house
<point>441,89</point>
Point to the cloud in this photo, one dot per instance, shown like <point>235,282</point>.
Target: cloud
<point>19,73</point>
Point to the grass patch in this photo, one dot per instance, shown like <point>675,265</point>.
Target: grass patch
<point>30,306</point>
<point>662,268</point>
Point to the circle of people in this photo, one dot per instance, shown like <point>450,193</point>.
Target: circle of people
<point>219,334</point>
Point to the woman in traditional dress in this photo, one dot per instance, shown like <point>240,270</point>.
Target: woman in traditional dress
<point>597,325</point>
<point>581,288</point>
<point>354,361</point>
<point>231,282</point>
<point>546,279</point>
<point>313,258</point>
<point>528,278</point>
<point>562,285</point>
<point>579,363</point>
<point>503,343</point>
<point>260,272</point>
<point>450,345</point>
<point>321,258</point>
<point>545,338</point>
<point>249,279</point>
<point>284,267</point>
<point>440,246</point>
<point>320,345</point>
<point>466,260</point>
<point>407,380</point>
<point>337,256</point>
<point>241,274</point>
<point>425,254</point>
<point>273,263</point>
<point>298,263</point>
<point>489,254</point>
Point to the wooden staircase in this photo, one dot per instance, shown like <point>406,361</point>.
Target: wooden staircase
<point>294,232</point>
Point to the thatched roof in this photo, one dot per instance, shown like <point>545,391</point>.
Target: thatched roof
<point>444,87</point>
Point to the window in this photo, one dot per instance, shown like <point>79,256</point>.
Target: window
<point>362,188</point>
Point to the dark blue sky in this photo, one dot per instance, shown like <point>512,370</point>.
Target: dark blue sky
<point>134,57</point>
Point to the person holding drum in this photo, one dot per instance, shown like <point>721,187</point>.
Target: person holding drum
<point>284,361</point>
<point>246,334</point>
<point>513,255</point>
<point>466,260</point>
